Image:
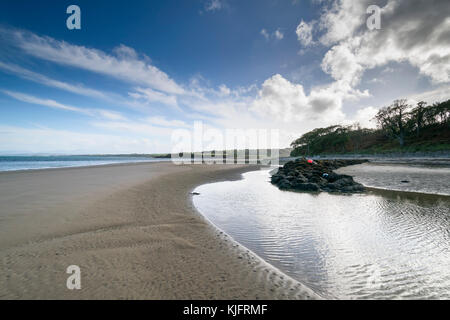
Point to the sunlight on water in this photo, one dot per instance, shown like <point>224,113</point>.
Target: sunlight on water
<point>379,245</point>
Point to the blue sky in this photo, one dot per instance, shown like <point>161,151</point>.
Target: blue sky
<point>138,70</point>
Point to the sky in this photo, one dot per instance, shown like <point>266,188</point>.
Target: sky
<point>136,72</point>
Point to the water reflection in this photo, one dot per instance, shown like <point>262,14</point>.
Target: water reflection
<point>379,245</point>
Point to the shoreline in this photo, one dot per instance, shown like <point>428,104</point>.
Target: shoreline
<point>143,239</point>
<point>143,162</point>
<point>294,285</point>
<point>406,193</point>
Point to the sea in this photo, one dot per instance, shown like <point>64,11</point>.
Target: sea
<point>33,162</point>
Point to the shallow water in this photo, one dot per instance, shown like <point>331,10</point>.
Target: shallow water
<point>378,245</point>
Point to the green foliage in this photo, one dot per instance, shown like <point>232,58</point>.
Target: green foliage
<point>401,128</point>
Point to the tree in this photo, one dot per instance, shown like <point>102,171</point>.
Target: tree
<point>422,127</point>
<point>393,119</point>
<point>418,116</point>
<point>312,138</point>
<point>443,111</point>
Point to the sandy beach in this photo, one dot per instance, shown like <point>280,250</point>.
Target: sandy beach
<point>133,231</point>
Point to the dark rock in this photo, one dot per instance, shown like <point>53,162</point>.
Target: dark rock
<point>301,179</point>
<point>290,178</point>
<point>276,178</point>
<point>318,180</point>
<point>306,187</point>
<point>285,184</point>
<point>343,182</point>
<point>331,186</point>
<point>300,175</point>
<point>358,187</point>
<point>332,177</point>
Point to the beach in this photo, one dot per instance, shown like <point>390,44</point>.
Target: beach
<point>133,231</point>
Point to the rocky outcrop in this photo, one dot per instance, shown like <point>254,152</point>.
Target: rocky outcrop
<point>299,175</point>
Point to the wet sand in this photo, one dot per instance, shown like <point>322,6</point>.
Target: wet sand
<point>133,231</point>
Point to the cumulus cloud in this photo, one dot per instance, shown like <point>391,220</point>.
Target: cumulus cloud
<point>279,99</point>
<point>414,31</point>
<point>279,104</point>
<point>304,33</point>
<point>365,117</point>
<point>341,64</point>
<point>411,31</point>
<point>342,19</point>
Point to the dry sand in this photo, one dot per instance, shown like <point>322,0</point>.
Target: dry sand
<point>133,231</point>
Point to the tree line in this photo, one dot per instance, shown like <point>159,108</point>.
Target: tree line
<point>400,126</point>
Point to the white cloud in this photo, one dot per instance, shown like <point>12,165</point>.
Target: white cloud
<point>278,34</point>
<point>163,122</point>
<point>214,5</point>
<point>341,20</point>
<point>304,33</point>
<point>375,80</point>
<point>148,95</point>
<point>107,114</point>
<point>265,34</point>
<point>365,117</point>
<point>224,90</point>
<point>125,66</point>
<point>43,102</point>
<point>411,31</point>
<point>280,99</point>
<point>439,94</point>
<point>341,64</point>
<point>135,128</point>
<point>141,98</point>
<point>414,31</point>
<point>124,52</point>
<point>41,79</point>
<point>110,115</point>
